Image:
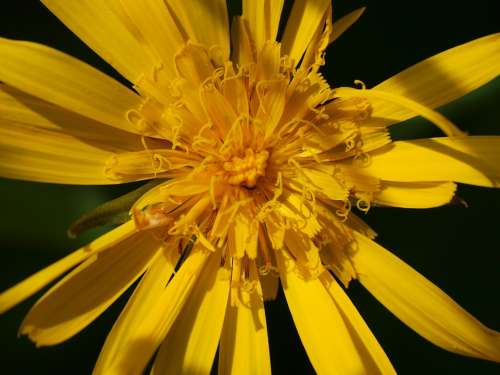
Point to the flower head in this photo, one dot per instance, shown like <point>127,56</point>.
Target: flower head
<point>260,164</point>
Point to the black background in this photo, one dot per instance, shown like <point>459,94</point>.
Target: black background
<point>455,247</point>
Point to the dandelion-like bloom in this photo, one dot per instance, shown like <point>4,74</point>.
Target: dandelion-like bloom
<point>259,163</point>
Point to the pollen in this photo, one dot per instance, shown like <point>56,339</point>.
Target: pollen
<point>247,169</point>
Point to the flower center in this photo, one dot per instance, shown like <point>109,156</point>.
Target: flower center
<point>246,170</point>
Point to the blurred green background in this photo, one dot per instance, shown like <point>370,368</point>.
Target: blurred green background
<point>455,247</point>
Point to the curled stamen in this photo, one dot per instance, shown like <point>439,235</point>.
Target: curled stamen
<point>343,212</point>
<point>362,159</point>
<point>360,84</point>
<point>363,204</point>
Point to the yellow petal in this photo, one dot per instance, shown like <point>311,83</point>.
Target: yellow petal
<point>155,23</point>
<point>87,291</point>
<point>205,22</point>
<point>314,56</point>
<point>357,326</point>
<point>42,142</point>
<point>242,49</point>
<point>191,344</point>
<point>270,286</point>
<point>293,208</point>
<point>37,281</point>
<point>471,160</point>
<point>325,183</point>
<point>305,18</point>
<point>330,342</point>
<point>420,304</point>
<point>244,347</point>
<point>149,164</point>
<point>246,230</point>
<point>104,29</point>
<point>118,344</point>
<point>67,82</point>
<point>142,327</point>
<point>193,63</point>
<point>400,101</point>
<point>415,194</point>
<point>263,17</point>
<point>442,78</point>
<point>344,23</point>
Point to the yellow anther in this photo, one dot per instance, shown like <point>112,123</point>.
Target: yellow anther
<point>247,169</point>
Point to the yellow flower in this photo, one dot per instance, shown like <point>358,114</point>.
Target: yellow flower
<point>260,162</point>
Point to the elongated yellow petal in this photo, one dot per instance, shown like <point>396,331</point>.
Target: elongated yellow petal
<point>420,304</point>
<point>306,17</point>
<point>142,326</point>
<point>242,51</point>
<point>404,102</point>
<point>325,183</point>
<point>442,78</point>
<point>415,194</point>
<point>332,345</point>
<point>191,344</point>
<point>344,23</point>
<point>470,160</point>
<point>244,347</point>
<point>205,22</point>
<point>357,326</point>
<point>43,142</point>
<point>119,345</point>
<point>67,82</point>
<point>49,156</point>
<point>154,21</point>
<point>37,281</point>
<point>263,17</point>
<point>104,29</point>
<point>270,286</point>
<point>19,107</point>
<point>87,291</point>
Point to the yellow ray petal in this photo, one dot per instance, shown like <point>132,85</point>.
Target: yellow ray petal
<point>191,344</point>
<point>357,325</point>
<point>404,102</point>
<point>148,316</point>
<point>19,107</point>
<point>31,154</point>
<point>263,17</point>
<point>156,24</point>
<point>442,78</point>
<point>270,286</point>
<point>415,194</point>
<point>325,183</point>
<point>244,347</point>
<point>330,342</point>
<point>104,29</point>
<point>314,56</point>
<point>420,304</point>
<point>151,163</point>
<point>243,52</point>
<point>87,291</point>
<point>65,81</point>
<point>305,18</point>
<point>37,281</point>
<point>42,142</point>
<point>205,22</point>
<point>344,23</point>
<point>142,300</point>
<point>470,160</point>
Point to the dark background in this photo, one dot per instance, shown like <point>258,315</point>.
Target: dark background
<point>455,247</point>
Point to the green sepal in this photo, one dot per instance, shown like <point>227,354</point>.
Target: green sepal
<point>113,212</point>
